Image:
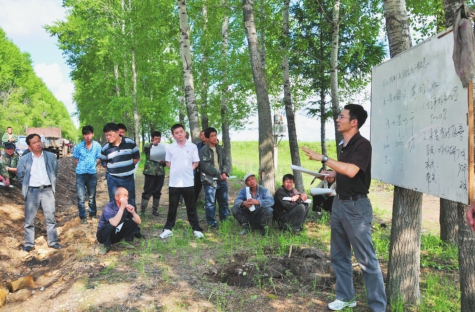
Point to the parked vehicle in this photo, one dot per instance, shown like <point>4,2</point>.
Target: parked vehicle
<point>21,145</point>
<point>52,140</point>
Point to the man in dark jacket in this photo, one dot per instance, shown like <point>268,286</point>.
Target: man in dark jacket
<point>214,169</point>
<point>290,207</point>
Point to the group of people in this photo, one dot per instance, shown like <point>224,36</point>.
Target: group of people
<point>205,165</point>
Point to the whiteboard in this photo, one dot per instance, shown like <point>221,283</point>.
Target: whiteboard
<point>421,122</point>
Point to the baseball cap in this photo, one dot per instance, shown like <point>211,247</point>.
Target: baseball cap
<point>9,145</point>
<point>248,175</point>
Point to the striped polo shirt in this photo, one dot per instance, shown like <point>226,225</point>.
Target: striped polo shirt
<point>120,159</point>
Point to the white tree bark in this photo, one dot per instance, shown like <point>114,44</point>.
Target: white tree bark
<point>334,68</point>
<point>185,52</point>
<point>289,111</point>
<point>266,146</point>
<point>224,88</point>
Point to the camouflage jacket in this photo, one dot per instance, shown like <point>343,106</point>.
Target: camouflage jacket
<point>10,162</point>
<point>5,138</point>
<point>152,167</point>
<point>3,171</point>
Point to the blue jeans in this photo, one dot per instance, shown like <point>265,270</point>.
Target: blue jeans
<point>219,194</point>
<point>89,182</point>
<point>351,227</point>
<point>127,182</point>
<point>35,198</point>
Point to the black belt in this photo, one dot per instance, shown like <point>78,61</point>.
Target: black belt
<point>353,198</point>
<point>41,187</point>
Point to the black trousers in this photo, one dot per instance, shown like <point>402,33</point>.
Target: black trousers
<point>198,184</point>
<point>153,186</point>
<point>108,236</point>
<point>189,197</point>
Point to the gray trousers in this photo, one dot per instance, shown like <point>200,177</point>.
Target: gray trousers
<point>35,198</point>
<point>351,227</point>
<point>295,218</point>
<point>257,219</point>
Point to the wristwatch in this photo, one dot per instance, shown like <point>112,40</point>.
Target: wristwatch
<point>324,159</point>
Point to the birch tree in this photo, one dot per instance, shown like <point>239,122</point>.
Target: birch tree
<point>266,147</point>
<point>185,52</point>
<point>404,249</point>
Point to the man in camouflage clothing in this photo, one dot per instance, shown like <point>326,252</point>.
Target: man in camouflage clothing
<point>154,172</point>
<point>9,136</point>
<point>10,161</point>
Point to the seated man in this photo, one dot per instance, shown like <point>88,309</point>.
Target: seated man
<point>253,206</point>
<point>290,209</point>
<point>10,160</point>
<point>118,221</point>
<point>325,201</point>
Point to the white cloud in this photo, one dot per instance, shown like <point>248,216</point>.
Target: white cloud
<point>27,17</point>
<point>51,74</point>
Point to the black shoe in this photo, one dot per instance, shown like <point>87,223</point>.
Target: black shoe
<point>83,220</point>
<point>28,248</point>
<point>92,216</point>
<point>155,213</point>
<point>214,226</point>
<point>56,246</point>
<point>263,232</point>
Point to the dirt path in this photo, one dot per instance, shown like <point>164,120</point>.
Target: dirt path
<point>171,278</point>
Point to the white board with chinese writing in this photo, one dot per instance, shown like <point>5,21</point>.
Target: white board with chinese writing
<point>422,123</point>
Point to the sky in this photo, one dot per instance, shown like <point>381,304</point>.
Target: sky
<point>23,22</point>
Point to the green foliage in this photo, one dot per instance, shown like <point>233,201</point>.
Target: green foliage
<point>25,101</point>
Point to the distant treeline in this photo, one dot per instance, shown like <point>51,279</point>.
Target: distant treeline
<point>25,101</point>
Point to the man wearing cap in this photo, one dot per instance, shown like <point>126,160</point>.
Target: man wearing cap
<point>10,160</point>
<point>9,136</point>
<point>253,206</point>
<point>352,213</point>
<point>290,208</point>
<point>37,171</point>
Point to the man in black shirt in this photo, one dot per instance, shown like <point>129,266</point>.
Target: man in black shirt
<point>352,213</point>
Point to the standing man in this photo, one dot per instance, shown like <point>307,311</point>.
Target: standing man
<point>182,158</point>
<point>10,160</point>
<point>197,180</point>
<point>290,214</point>
<point>214,168</point>
<point>37,172</point>
<point>87,155</point>
<point>122,130</point>
<point>119,157</point>
<point>352,213</point>
<point>9,136</point>
<point>154,172</point>
<point>253,206</point>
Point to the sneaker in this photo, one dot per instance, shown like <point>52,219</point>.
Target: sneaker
<point>83,220</point>
<point>127,244</point>
<point>166,233</point>
<point>337,305</point>
<point>214,226</point>
<point>244,231</point>
<point>104,249</point>
<point>198,234</point>
<point>28,248</point>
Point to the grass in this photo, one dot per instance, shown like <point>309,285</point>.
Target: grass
<point>439,287</point>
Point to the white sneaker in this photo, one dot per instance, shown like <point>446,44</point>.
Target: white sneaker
<point>337,305</point>
<point>198,234</point>
<point>166,233</point>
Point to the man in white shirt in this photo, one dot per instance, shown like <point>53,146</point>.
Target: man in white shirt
<point>181,158</point>
<point>37,172</point>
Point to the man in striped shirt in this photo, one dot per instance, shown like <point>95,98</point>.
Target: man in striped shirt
<point>119,157</point>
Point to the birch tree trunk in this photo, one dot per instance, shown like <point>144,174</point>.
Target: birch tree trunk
<point>266,146</point>
<point>185,52</point>
<point>204,85</point>
<point>334,68</point>
<point>448,209</point>
<point>466,261</point>
<point>289,111</point>
<point>134,98</point>
<point>404,249</point>
<point>224,89</point>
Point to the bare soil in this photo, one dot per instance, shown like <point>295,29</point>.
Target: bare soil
<point>76,278</point>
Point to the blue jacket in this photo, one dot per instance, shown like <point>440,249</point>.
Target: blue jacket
<point>262,195</point>
<point>24,168</point>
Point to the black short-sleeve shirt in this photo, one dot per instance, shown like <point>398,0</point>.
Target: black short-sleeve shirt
<point>356,152</point>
